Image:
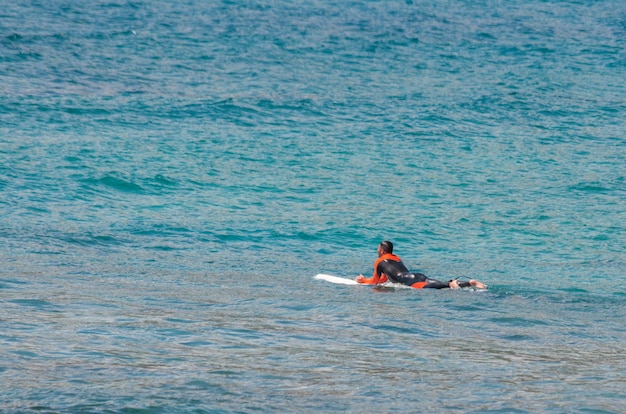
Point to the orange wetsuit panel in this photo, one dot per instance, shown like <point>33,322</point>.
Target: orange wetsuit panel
<point>382,278</point>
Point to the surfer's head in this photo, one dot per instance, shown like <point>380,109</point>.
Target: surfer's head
<point>386,246</point>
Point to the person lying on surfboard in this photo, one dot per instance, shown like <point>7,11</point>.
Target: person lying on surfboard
<point>388,266</point>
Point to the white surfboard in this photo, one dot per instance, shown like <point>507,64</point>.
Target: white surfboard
<point>335,279</point>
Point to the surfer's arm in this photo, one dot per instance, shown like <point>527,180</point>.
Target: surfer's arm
<point>374,280</point>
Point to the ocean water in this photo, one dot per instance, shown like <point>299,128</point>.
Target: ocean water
<point>173,175</point>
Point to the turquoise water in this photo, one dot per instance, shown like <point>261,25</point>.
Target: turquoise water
<point>173,175</point>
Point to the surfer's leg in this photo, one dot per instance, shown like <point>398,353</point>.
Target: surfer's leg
<point>435,284</point>
<point>408,279</point>
<point>455,284</point>
<point>477,284</point>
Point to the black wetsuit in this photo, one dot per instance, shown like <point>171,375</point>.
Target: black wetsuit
<point>398,273</point>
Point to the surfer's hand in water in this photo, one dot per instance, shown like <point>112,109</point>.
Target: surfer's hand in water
<point>360,278</point>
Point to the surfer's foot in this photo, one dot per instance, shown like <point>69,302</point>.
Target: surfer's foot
<point>454,284</point>
<point>477,284</point>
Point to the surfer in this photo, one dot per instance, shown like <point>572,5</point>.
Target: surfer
<point>388,266</point>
